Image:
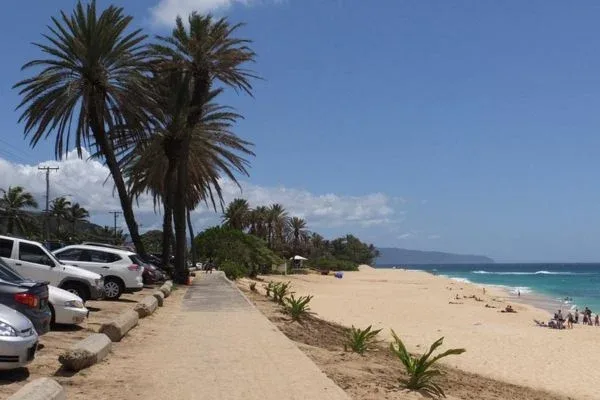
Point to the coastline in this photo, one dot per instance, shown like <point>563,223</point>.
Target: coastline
<point>421,307</point>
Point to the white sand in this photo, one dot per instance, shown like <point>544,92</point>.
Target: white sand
<point>502,346</point>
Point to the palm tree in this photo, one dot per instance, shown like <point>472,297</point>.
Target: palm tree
<point>204,53</point>
<point>214,152</point>
<point>276,221</point>
<point>237,214</point>
<point>93,75</point>
<point>60,208</point>
<point>77,214</point>
<point>13,202</point>
<point>297,232</point>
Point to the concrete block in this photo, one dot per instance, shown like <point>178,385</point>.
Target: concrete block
<point>40,389</point>
<point>166,290</point>
<point>146,306</point>
<point>119,327</point>
<point>160,297</point>
<point>86,352</point>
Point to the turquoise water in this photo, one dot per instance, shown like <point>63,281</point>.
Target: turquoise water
<point>575,285</point>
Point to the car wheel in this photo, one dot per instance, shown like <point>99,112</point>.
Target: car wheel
<point>77,289</point>
<point>112,289</point>
<point>53,316</point>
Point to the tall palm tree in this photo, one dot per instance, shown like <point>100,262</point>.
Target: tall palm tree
<point>205,53</point>
<point>12,205</point>
<point>92,77</point>
<point>77,214</point>
<point>214,152</point>
<point>237,214</point>
<point>60,208</point>
<point>276,221</point>
<point>297,232</point>
<point>260,216</point>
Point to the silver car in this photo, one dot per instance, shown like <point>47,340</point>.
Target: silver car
<point>18,339</point>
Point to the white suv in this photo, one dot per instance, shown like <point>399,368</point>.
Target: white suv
<point>122,269</point>
<point>32,260</point>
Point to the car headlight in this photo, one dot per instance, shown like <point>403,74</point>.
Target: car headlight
<point>7,330</point>
<point>74,304</point>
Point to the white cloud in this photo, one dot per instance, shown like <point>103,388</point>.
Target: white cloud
<point>86,182</point>
<point>165,12</point>
<point>407,235</point>
<point>433,237</point>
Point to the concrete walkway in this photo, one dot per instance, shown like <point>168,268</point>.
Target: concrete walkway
<point>240,354</point>
<point>217,346</point>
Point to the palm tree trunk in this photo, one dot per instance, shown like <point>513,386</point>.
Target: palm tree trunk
<point>169,187</point>
<point>107,150</point>
<point>192,247</point>
<point>10,225</point>
<point>179,212</point>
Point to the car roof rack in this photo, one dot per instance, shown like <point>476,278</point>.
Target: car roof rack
<point>110,246</point>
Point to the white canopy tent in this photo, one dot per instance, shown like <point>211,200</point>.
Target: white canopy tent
<point>297,261</point>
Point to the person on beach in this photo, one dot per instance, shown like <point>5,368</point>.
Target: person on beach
<point>576,316</point>
<point>559,317</point>
<point>518,293</point>
<point>597,321</point>
<point>570,321</point>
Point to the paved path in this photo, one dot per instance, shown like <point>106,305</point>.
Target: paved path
<point>240,354</point>
<point>215,346</point>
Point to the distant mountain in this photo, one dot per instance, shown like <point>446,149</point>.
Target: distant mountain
<point>391,255</point>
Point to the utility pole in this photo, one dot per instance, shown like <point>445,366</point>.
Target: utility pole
<point>116,215</point>
<point>48,169</point>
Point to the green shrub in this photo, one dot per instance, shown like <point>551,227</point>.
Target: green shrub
<point>280,291</point>
<point>360,340</point>
<point>419,369</point>
<point>253,286</point>
<point>296,307</point>
<point>269,288</point>
<point>232,270</point>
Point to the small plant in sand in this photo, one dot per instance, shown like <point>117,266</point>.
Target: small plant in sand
<point>280,291</point>
<point>269,288</point>
<point>253,286</point>
<point>419,369</point>
<point>297,307</point>
<point>361,340</point>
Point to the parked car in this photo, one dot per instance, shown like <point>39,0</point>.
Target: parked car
<point>66,307</point>
<point>28,297</point>
<point>18,339</point>
<point>32,260</point>
<point>122,269</point>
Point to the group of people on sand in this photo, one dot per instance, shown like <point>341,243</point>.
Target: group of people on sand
<point>560,322</point>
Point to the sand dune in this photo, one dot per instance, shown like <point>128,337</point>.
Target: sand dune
<point>502,346</point>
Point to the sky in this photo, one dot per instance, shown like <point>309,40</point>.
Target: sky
<point>464,126</point>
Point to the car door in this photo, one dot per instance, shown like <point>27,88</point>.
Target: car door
<point>6,252</point>
<point>34,263</point>
<point>96,261</point>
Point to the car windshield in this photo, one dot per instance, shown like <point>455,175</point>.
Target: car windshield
<point>8,274</point>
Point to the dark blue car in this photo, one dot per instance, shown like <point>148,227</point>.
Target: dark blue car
<point>28,297</point>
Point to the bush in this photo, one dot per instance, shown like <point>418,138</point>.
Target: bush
<point>269,288</point>
<point>297,307</point>
<point>253,286</point>
<point>333,264</point>
<point>233,270</point>
<point>280,290</point>
<point>419,369</point>
<point>360,340</point>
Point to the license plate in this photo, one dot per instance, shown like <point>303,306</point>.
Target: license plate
<point>31,352</point>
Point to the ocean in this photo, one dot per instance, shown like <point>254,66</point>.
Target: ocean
<point>572,285</point>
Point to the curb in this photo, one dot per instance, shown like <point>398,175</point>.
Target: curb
<point>86,352</point>
<point>119,327</point>
<point>40,389</point>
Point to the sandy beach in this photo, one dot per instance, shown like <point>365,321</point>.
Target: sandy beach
<point>421,308</point>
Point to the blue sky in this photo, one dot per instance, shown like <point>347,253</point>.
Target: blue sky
<point>456,126</point>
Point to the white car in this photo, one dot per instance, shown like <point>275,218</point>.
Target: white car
<point>122,269</point>
<point>18,339</point>
<point>66,308</point>
<point>33,261</point>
